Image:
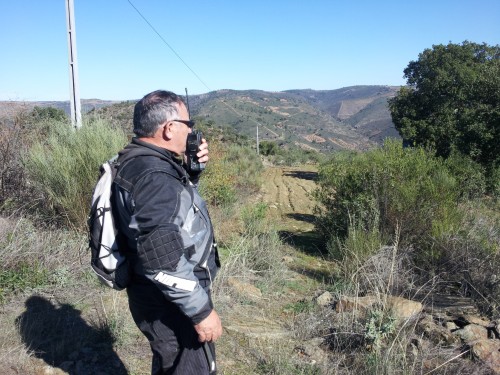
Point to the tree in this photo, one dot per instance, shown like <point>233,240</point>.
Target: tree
<point>268,148</point>
<point>48,113</point>
<point>452,102</point>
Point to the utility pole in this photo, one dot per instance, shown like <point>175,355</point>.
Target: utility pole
<point>74,86</point>
<point>258,139</point>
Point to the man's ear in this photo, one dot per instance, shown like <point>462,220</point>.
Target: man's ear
<point>167,131</point>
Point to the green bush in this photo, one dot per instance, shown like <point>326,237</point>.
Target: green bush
<point>65,166</point>
<point>470,175</point>
<point>48,114</point>
<point>390,189</point>
<point>268,148</point>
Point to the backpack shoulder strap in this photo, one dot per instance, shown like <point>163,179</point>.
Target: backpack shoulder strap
<point>158,165</point>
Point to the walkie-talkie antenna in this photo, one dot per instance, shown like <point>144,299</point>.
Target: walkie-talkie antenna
<point>187,103</point>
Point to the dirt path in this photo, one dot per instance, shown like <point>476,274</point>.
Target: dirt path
<point>287,192</point>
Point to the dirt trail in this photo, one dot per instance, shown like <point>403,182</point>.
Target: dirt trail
<point>287,192</point>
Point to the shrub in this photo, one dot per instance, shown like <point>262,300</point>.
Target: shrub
<point>268,148</point>
<point>385,189</point>
<point>65,166</point>
<point>470,175</point>
<point>47,114</point>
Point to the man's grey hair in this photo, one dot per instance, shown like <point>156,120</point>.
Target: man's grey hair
<point>153,110</point>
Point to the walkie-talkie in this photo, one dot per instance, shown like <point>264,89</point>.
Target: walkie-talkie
<point>193,146</point>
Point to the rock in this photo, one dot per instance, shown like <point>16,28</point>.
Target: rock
<point>488,351</point>
<point>401,308</point>
<point>472,332</point>
<point>450,305</point>
<point>324,299</point>
<point>257,327</point>
<point>355,303</point>
<point>451,326</point>
<point>404,309</point>
<point>435,332</point>
<point>472,319</point>
<point>244,289</point>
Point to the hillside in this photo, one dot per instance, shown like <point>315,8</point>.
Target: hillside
<point>355,118</point>
<point>349,118</point>
<point>8,108</point>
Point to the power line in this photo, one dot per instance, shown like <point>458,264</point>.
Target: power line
<point>192,71</point>
<point>169,46</point>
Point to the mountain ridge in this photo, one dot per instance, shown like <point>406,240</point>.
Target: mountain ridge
<point>354,117</point>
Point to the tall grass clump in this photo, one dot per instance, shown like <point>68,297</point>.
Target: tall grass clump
<point>385,189</point>
<point>255,255</point>
<point>65,166</point>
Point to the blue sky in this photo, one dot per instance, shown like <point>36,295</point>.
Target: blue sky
<point>271,45</point>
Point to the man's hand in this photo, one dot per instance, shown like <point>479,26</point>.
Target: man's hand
<point>210,328</point>
<point>203,153</point>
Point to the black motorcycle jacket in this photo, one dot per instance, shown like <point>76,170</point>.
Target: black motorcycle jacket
<point>167,227</point>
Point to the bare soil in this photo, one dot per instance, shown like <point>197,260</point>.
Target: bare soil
<point>287,191</point>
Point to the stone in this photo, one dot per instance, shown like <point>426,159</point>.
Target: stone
<point>472,332</point>
<point>435,332</point>
<point>401,308</point>
<point>404,309</point>
<point>451,326</point>
<point>479,321</point>
<point>355,303</point>
<point>324,299</point>
<point>488,351</point>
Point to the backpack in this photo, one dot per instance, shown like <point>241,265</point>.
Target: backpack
<point>107,245</point>
<point>108,260</point>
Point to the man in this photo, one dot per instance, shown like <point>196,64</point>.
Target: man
<point>169,235</point>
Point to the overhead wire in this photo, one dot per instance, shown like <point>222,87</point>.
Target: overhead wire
<point>187,66</point>
<point>168,45</point>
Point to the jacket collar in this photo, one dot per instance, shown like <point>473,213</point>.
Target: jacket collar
<point>163,151</point>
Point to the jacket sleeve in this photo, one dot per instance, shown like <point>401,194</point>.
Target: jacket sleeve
<point>161,206</point>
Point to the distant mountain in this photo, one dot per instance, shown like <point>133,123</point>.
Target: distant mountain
<point>349,118</point>
<point>363,107</point>
<point>11,108</point>
<point>354,117</point>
